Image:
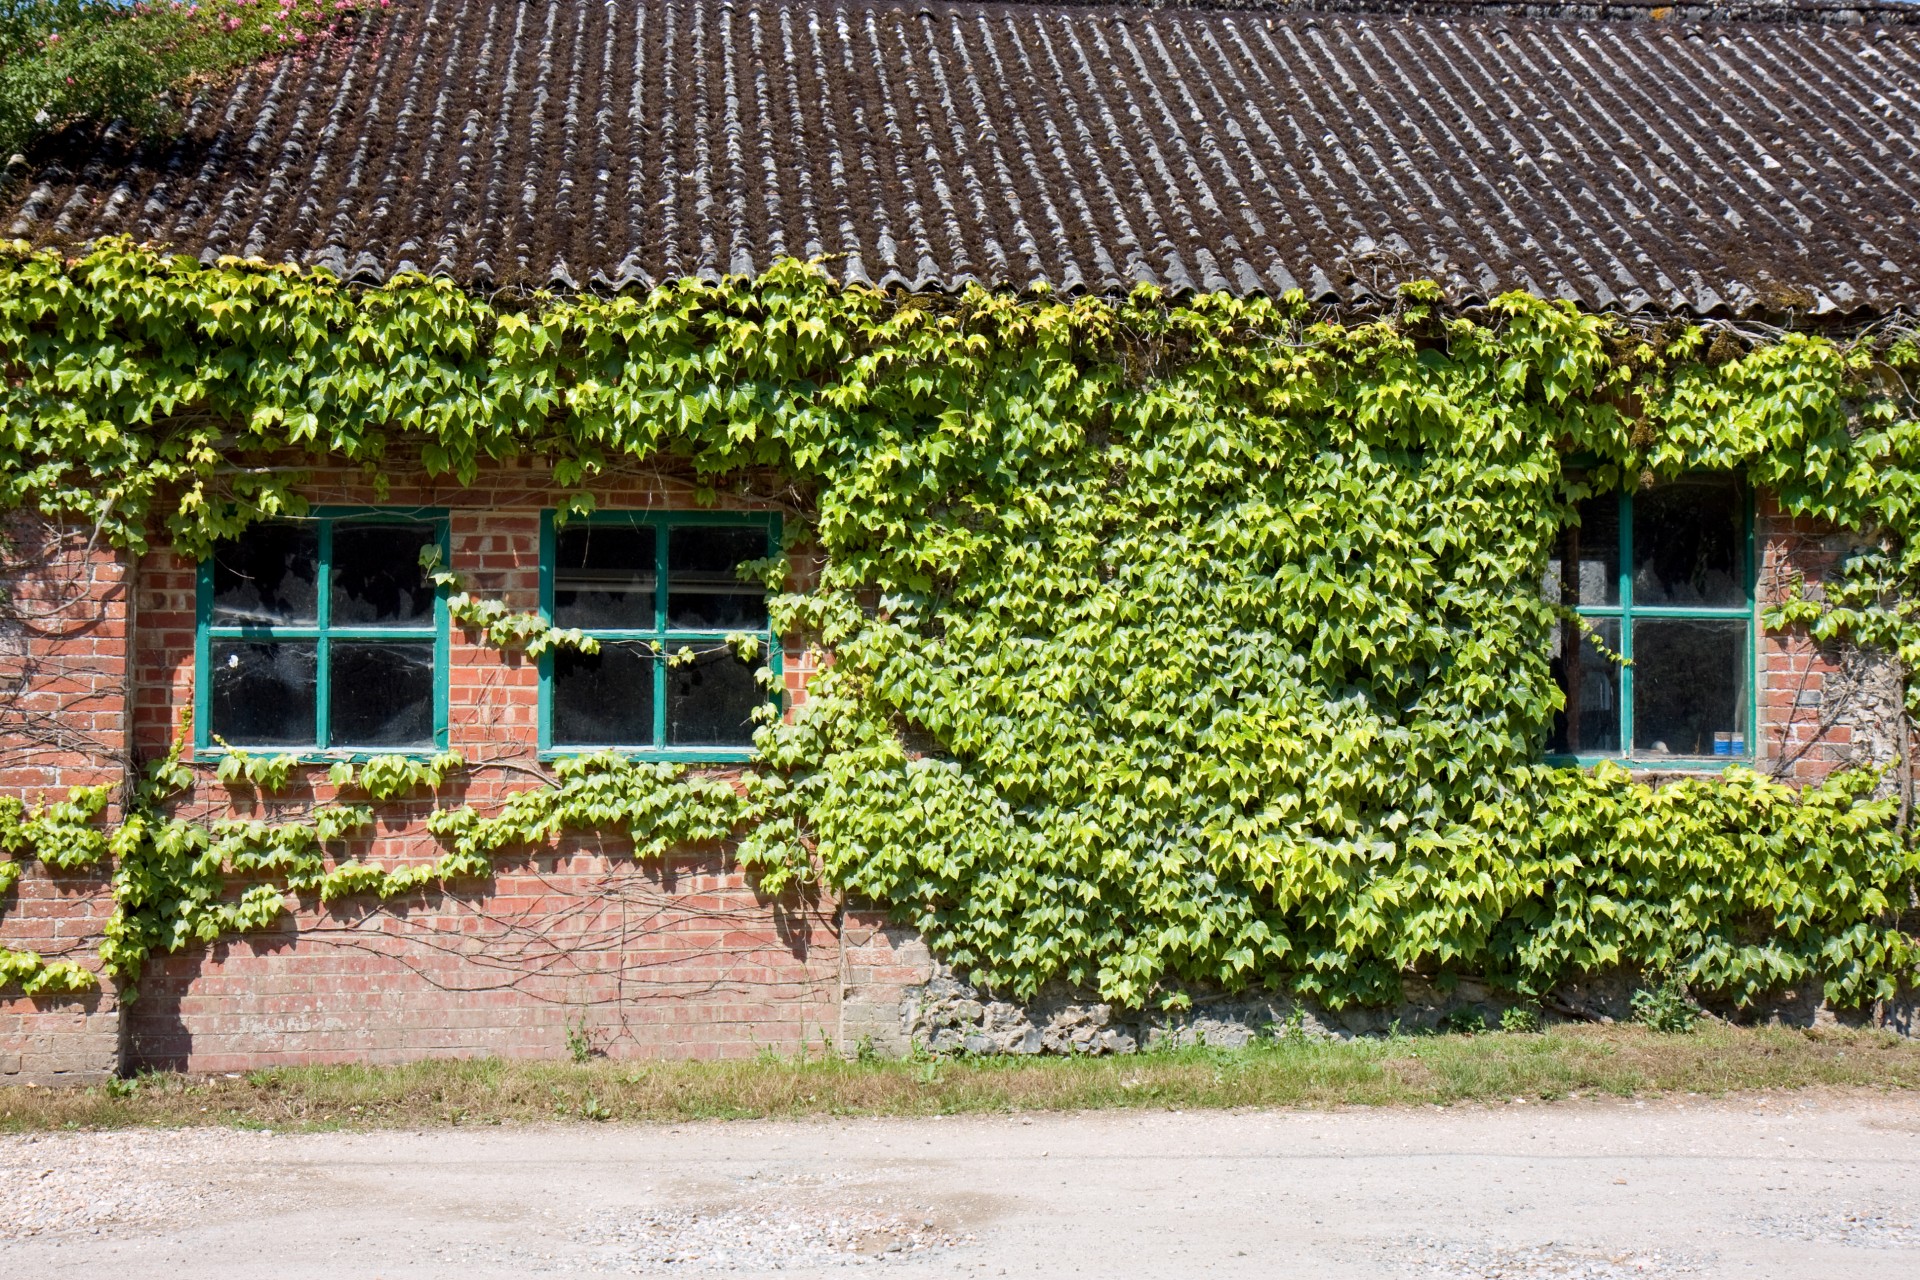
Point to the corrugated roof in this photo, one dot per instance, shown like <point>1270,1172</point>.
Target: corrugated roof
<point>1719,167</point>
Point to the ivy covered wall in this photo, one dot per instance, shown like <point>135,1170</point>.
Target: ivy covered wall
<point>1171,641</point>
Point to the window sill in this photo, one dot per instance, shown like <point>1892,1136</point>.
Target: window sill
<point>658,755</point>
<point>1637,764</point>
<point>213,752</point>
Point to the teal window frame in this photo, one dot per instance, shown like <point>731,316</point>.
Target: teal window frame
<point>323,633</point>
<point>1625,612</point>
<point>663,522</point>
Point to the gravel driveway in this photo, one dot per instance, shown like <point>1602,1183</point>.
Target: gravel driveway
<point>1759,1186</point>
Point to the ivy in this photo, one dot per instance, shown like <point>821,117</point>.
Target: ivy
<point>64,835</point>
<point>37,977</point>
<point>503,628</point>
<point>1172,642</point>
<point>265,774</point>
<point>388,777</point>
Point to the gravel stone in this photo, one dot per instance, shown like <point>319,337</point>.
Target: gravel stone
<point>761,1237</point>
<point>81,1182</point>
<point>1452,1260</point>
<point>1858,1229</point>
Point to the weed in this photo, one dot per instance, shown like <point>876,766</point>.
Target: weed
<point>579,1040</point>
<point>1521,1019</point>
<point>1666,1008</point>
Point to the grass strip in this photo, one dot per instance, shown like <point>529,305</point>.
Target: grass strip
<point>1618,1061</point>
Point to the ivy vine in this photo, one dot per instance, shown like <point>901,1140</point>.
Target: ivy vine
<point>1173,641</point>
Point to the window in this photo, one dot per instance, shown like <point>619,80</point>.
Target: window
<point>324,634</point>
<point>1664,579</point>
<point>663,595</point>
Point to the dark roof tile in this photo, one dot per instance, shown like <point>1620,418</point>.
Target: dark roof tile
<point>1715,166</point>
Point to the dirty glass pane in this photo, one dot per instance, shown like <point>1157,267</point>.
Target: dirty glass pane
<point>704,593</point>
<point>262,695</point>
<point>1689,687</point>
<point>604,699</point>
<point>267,576</point>
<point>376,575</point>
<point>1591,681</point>
<point>1584,568</point>
<point>603,577</point>
<point>380,695</point>
<point>1687,539</point>
<point>710,701</point>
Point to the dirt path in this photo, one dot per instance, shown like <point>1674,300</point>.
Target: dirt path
<point>1778,1186</point>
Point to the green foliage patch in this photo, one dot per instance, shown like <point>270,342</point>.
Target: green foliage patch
<point>1173,642</point>
<point>67,62</point>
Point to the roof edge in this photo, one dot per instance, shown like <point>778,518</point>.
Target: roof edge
<point>1679,12</point>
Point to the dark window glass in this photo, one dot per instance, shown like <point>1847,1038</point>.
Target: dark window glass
<point>1591,681</point>
<point>603,577</point>
<point>710,701</point>
<point>380,695</point>
<point>262,695</point>
<point>603,699</point>
<point>1585,568</point>
<point>268,576</point>
<point>376,578</point>
<point>704,591</point>
<point>1689,686</point>
<point>1687,539</point>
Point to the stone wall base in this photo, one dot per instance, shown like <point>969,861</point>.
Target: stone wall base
<point>948,1015</point>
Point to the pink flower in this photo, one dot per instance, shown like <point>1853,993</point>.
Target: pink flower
<point>266,26</point>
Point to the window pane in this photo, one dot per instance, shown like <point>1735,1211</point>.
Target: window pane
<point>604,699</point>
<point>1687,539</point>
<point>376,575</point>
<point>704,593</point>
<point>1591,681</point>
<point>1585,565</point>
<point>267,576</point>
<point>603,577</point>
<point>1689,687</point>
<point>380,695</point>
<point>710,701</point>
<point>262,695</point>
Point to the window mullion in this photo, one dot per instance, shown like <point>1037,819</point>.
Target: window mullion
<point>663,532</point>
<point>1626,622</point>
<point>323,658</point>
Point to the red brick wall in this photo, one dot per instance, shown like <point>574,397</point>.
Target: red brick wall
<point>678,958</point>
<point>681,959</point>
<point>63,671</point>
<point>647,960</point>
<point>1821,706</point>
